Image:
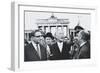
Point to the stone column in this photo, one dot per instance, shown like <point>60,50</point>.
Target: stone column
<point>49,28</point>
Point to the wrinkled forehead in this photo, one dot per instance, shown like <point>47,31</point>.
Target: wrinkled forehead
<point>38,33</point>
<point>59,32</point>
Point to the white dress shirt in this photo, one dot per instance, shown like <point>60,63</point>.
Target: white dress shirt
<point>60,45</point>
<point>37,49</point>
<point>48,50</point>
<point>82,44</point>
<point>34,44</point>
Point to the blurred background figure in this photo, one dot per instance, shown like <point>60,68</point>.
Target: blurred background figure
<point>78,29</point>
<point>25,42</point>
<point>83,46</point>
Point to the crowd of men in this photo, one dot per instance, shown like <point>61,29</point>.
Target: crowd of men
<point>48,47</point>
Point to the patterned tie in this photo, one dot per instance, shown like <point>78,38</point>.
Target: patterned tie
<point>38,51</point>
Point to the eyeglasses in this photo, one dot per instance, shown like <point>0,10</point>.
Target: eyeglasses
<point>39,36</point>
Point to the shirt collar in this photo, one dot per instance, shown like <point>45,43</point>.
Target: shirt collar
<point>60,45</point>
<point>59,42</point>
<point>82,44</point>
<point>34,44</point>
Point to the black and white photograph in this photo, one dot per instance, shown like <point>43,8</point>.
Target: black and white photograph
<point>50,35</point>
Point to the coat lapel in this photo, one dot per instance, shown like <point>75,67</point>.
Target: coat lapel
<point>34,51</point>
<point>57,49</point>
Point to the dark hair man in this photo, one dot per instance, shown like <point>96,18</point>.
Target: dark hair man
<point>83,51</point>
<point>35,51</point>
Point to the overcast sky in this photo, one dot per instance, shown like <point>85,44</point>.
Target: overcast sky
<point>31,17</point>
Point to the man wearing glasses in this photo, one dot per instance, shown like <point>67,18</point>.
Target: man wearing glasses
<point>35,51</point>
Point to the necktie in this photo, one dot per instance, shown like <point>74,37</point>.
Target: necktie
<point>48,51</point>
<point>38,51</point>
<point>60,45</point>
<point>77,53</point>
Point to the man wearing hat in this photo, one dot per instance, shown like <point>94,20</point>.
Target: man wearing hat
<point>49,39</point>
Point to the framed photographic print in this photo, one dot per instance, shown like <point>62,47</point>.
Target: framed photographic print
<point>49,36</point>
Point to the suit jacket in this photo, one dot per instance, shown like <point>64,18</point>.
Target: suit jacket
<point>84,51</point>
<point>57,55</point>
<point>30,54</point>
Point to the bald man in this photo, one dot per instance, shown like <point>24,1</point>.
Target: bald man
<point>60,49</point>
